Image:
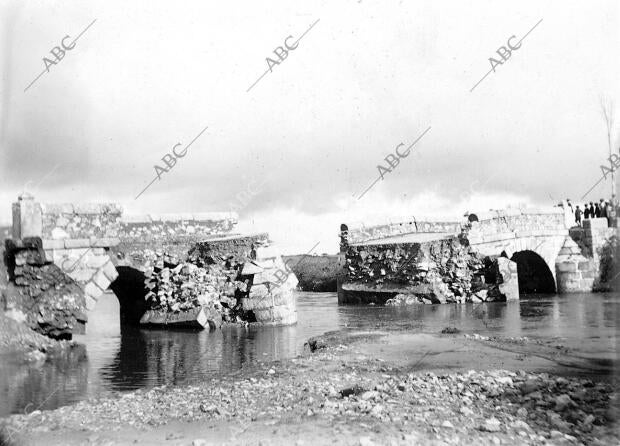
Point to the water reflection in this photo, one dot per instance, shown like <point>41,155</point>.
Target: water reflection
<point>43,385</point>
<point>157,357</point>
<point>127,358</point>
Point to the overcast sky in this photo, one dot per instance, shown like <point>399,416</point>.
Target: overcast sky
<point>368,76</point>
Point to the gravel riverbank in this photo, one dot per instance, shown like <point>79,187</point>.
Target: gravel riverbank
<point>356,388</point>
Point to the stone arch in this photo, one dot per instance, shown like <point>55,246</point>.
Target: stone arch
<point>546,247</point>
<point>535,275</point>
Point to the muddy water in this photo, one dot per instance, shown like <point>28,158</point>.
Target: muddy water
<point>122,359</point>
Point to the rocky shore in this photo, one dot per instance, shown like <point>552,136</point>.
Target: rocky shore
<point>359,389</point>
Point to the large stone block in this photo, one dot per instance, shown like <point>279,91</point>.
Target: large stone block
<point>106,242</point>
<point>101,280</point>
<point>90,302</point>
<point>77,243</point>
<point>585,266</point>
<point>81,274</point>
<point>49,255</point>
<point>276,315</point>
<point>588,284</point>
<point>595,223</point>
<point>589,274</point>
<point>261,299</point>
<point>569,286</point>
<point>92,290</point>
<point>110,271</point>
<point>27,218</point>
<point>566,267</point>
<point>572,276</point>
<point>96,261</point>
<point>53,244</point>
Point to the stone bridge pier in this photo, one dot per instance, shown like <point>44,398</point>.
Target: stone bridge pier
<point>533,238</point>
<point>550,255</point>
<point>145,240</point>
<point>75,237</point>
<point>99,248</point>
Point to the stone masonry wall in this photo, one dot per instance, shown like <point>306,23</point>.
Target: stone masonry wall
<point>596,235</point>
<point>85,261</point>
<point>574,272</point>
<point>162,227</point>
<point>441,271</point>
<point>587,258</point>
<point>489,223</point>
<point>145,238</point>
<point>80,221</point>
<point>521,221</point>
<point>361,233</point>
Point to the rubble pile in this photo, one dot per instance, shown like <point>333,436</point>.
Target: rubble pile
<point>185,286</point>
<point>221,280</point>
<point>446,270</point>
<point>40,294</point>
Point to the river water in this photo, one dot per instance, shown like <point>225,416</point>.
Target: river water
<point>116,359</point>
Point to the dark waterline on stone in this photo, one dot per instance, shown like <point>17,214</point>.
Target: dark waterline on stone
<point>128,359</point>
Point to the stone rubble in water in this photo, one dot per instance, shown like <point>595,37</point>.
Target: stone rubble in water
<point>185,286</point>
<point>240,278</point>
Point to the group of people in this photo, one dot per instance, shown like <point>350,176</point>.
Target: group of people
<point>602,209</point>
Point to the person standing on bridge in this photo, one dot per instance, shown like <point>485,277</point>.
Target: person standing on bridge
<point>586,211</point>
<point>597,211</point>
<point>578,216</point>
<point>603,206</point>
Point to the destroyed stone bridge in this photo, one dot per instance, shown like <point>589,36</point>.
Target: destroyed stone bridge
<point>91,242</point>
<point>548,254</point>
<point>100,249</point>
<point>453,261</point>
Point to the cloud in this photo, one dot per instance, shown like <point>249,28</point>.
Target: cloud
<point>366,78</point>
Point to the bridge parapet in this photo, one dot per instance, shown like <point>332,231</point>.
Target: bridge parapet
<point>163,226</point>
<point>360,233</point>
<point>518,222</point>
<point>80,221</point>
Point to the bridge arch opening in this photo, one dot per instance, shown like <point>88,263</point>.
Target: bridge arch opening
<point>130,290</point>
<point>534,273</point>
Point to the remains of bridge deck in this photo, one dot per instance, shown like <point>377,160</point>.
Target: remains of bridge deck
<point>75,237</point>
<point>145,240</point>
<point>538,230</point>
<point>90,241</point>
<point>537,239</point>
<point>415,261</point>
<point>572,256</point>
<point>143,237</point>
